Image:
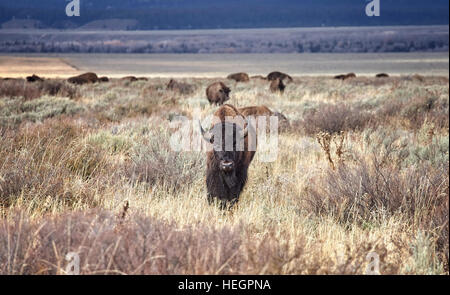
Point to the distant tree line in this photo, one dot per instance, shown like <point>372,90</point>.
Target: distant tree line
<point>239,41</point>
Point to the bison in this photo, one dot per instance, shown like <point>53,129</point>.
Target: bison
<point>279,75</point>
<point>34,78</point>
<point>129,79</point>
<point>382,75</point>
<point>259,77</point>
<point>345,77</point>
<point>217,93</point>
<point>83,79</point>
<point>239,77</point>
<point>227,165</point>
<point>103,79</point>
<point>258,111</point>
<point>277,86</point>
<point>180,87</point>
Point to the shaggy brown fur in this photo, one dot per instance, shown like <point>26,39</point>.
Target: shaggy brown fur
<point>277,86</point>
<point>83,79</point>
<point>256,111</point>
<point>103,79</point>
<point>239,77</point>
<point>279,75</point>
<point>217,93</point>
<point>226,173</point>
<point>283,122</point>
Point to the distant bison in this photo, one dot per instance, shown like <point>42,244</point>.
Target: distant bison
<point>345,77</point>
<point>103,79</point>
<point>217,93</point>
<point>279,75</point>
<point>239,77</point>
<point>277,86</point>
<point>382,75</point>
<point>129,78</point>
<point>34,78</point>
<point>258,111</point>
<point>83,79</point>
<point>142,79</point>
<point>12,79</point>
<point>180,87</point>
<point>258,77</point>
<point>227,165</point>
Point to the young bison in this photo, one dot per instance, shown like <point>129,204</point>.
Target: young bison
<point>83,79</point>
<point>217,93</point>
<point>239,77</point>
<point>231,154</point>
<point>277,86</point>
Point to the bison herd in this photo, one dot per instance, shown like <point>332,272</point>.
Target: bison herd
<point>227,167</point>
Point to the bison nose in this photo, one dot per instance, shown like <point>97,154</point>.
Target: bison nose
<point>226,166</point>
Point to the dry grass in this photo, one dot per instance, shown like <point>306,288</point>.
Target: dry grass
<point>363,167</point>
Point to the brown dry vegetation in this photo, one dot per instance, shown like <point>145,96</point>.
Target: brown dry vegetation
<point>363,167</point>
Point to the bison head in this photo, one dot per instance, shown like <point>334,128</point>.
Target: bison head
<point>223,94</point>
<point>227,140</point>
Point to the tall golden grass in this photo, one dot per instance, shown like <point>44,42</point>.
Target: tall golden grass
<point>363,167</point>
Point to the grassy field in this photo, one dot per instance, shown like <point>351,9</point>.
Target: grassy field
<point>362,168</point>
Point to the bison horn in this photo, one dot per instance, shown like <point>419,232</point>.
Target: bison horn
<point>206,135</point>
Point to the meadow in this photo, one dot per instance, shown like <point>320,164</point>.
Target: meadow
<point>362,168</point>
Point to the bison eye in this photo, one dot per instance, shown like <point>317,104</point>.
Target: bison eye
<point>221,90</point>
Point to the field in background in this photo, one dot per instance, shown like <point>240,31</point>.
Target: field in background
<point>363,167</point>
<point>220,65</point>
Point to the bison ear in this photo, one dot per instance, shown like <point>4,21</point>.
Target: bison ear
<point>206,135</point>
